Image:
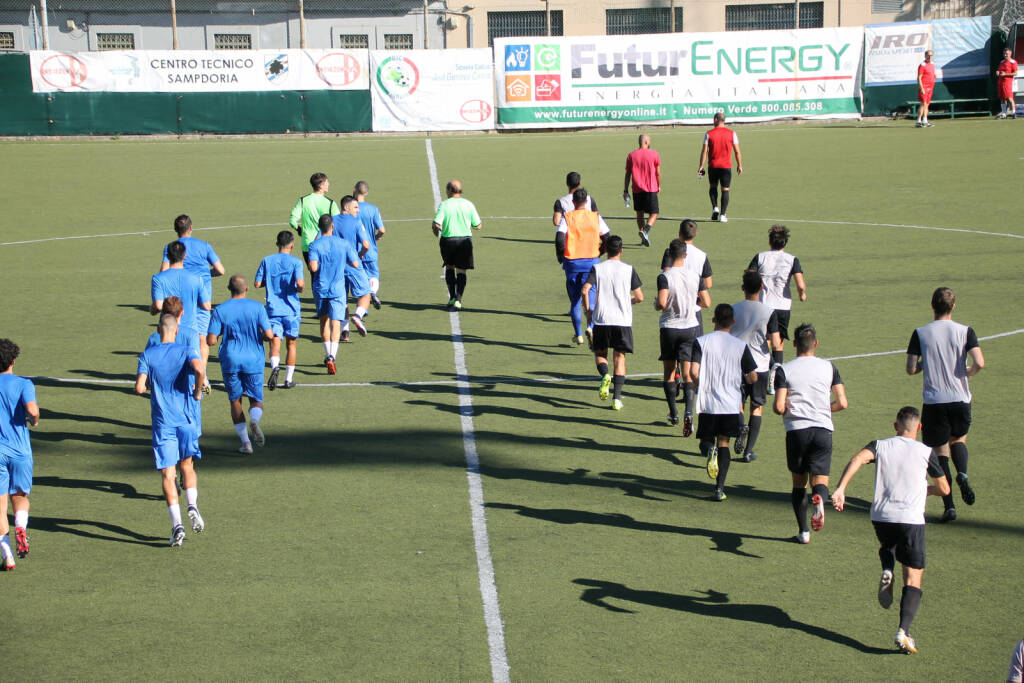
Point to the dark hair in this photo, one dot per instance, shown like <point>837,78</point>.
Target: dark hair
<point>346,201</point>
<point>182,224</point>
<point>325,222</point>
<point>676,249</point>
<point>613,245</point>
<point>572,179</point>
<point>687,229</point>
<point>579,196</point>
<point>907,416</point>
<point>172,306</point>
<point>943,299</point>
<point>804,337</point>
<point>752,281</point>
<point>453,188</point>
<point>778,236</point>
<point>236,284</point>
<point>719,117</point>
<point>361,187</point>
<point>723,315</point>
<point>8,352</point>
<point>317,180</point>
<point>176,252</point>
<point>284,238</point>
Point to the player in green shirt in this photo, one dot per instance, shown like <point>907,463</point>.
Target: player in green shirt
<point>454,221</point>
<point>305,218</point>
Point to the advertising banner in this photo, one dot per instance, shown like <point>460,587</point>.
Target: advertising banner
<point>893,51</point>
<point>678,78</point>
<point>962,47</point>
<point>424,90</point>
<point>198,70</point>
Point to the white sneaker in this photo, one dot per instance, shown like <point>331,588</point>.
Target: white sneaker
<point>1001,116</point>
<point>885,589</point>
<point>246,449</point>
<point>177,536</point>
<point>803,538</point>
<point>256,434</point>
<point>616,404</point>
<point>197,519</point>
<point>723,218</point>
<point>905,643</point>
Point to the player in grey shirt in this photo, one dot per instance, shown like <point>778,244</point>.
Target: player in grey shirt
<point>777,267</point>
<point>897,510</point>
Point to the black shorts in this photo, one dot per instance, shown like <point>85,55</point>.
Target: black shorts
<point>457,252</point>
<point>906,539</point>
<point>720,175</point>
<point>613,337</point>
<point>676,343</point>
<point>809,450</point>
<point>712,425</point>
<point>941,422</point>
<point>758,391</point>
<point>783,318</point>
<point>645,202</point>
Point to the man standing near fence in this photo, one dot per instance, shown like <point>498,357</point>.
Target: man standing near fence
<point>1005,74</point>
<point>643,167</point>
<point>925,88</point>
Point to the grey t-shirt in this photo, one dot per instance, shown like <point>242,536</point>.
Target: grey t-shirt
<point>809,381</point>
<point>902,467</point>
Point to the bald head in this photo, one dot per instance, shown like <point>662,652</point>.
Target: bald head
<point>454,188</point>
<point>644,141</point>
<point>237,285</point>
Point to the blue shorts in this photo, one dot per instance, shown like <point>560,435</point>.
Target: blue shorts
<point>285,326</point>
<point>356,282</point>
<point>332,309</point>
<point>15,473</point>
<point>171,445</point>
<point>202,322</point>
<point>239,383</point>
<point>372,269</point>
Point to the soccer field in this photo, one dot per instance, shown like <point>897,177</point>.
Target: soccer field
<point>345,548</point>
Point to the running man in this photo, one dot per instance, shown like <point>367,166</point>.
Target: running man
<point>643,167</point>
<point>902,467</point>
<point>755,323</point>
<point>350,229</point>
<point>305,218</point>
<point>281,274</point>
<point>807,391</point>
<point>369,216</point>
<point>681,293</point>
<point>565,204</point>
<point>578,243</point>
<point>940,350</point>
<point>176,281</point>
<point>328,258</point>
<point>720,144</point>
<point>616,288</point>
<point>18,411</point>
<point>1005,74</point>
<point>777,267</point>
<point>244,326</point>
<point>720,364</point>
<point>172,371</point>
<point>454,221</point>
<point>925,88</point>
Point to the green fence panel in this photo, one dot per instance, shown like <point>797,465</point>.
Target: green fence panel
<point>883,100</point>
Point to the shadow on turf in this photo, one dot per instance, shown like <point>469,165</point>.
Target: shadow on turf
<point>409,335</point>
<point>442,306</point>
<point>125,490</point>
<point>46,414</point>
<point>137,307</point>
<point>121,389</point>
<point>516,239</point>
<point>712,603</point>
<point>70,526</point>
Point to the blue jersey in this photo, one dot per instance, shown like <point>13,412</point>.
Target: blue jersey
<point>241,322</point>
<point>184,285</point>
<point>279,273</point>
<point>15,393</point>
<point>369,216</point>
<point>351,230</point>
<point>331,254</point>
<point>199,256</point>
<point>171,380</point>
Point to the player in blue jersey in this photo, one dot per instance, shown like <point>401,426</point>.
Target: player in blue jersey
<point>187,337</point>
<point>281,274</point>
<point>350,229</point>
<point>179,282</point>
<point>369,216</point>
<point>244,325</point>
<point>174,374</point>
<point>18,409</point>
<point>330,257</point>
<point>200,260</point>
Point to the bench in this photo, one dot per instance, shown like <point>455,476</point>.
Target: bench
<point>968,107</point>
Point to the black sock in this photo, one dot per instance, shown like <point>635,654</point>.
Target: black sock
<point>713,193</point>
<point>958,452</point>
<point>460,285</point>
<point>602,369</point>
<point>909,603</point>
<point>723,466</point>
<point>888,557</point>
<point>947,501</point>
<point>670,396</point>
<point>799,498</point>
<point>688,396</point>
<point>755,430</point>
<point>449,279</point>
<point>725,200</point>
<point>821,490</point>
<point>777,357</point>
<point>617,382</point>
<point>705,447</point>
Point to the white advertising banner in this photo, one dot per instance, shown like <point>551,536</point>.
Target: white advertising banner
<point>198,70</point>
<point>423,90</point>
<point>893,51</point>
<point>678,78</point>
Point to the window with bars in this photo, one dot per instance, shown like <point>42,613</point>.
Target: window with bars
<point>232,41</point>
<point>620,22</point>
<point>950,9</point>
<point>6,40</point>
<point>397,41</point>
<point>886,6</point>
<point>812,15</point>
<point>353,41</point>
<point>775,16</point>
<point>521,24</point>
<point>115,41</point>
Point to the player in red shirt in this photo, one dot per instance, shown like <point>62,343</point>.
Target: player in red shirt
<point>925,88</point>
<point>643,166</point>
<point>1004,85</point>
<point>720,143</point>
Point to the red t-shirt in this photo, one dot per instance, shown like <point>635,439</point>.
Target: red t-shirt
<point>1005,83</point>
<point>643,165</point>
<point>926,72</point>
<point>720,142</point>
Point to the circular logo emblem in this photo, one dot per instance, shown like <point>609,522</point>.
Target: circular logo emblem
<point>398,77</point>
<point>63,71</point>
<point>475,111</point>
<point>547,57</point>
<point>337,69</point>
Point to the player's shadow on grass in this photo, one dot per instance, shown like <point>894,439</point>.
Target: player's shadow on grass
<point>517,239</point>
<point>486,389</point>
<point>137,307</point>
<point>105,439</point>
<point>712,603</point>
<point>73,526</point>
<point>724,541</point>
<point>409,335</point>
<point>121,388</point>
<point>47,414</point>
<point>406,306</point>
<point>125,490</point>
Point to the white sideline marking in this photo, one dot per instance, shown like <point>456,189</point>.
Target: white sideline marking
<point>481,543</point>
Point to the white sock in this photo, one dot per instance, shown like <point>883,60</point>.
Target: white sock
<point>327,348</point>
<point>5,546</point>
<point>344,326</point>
<point>255,415</point>
<point>1002,107</point>
<point>192,495</point>
<point>289,373</point>
<point>21,518</point>
<point>374,285</point>
<point>175,513</point>
<point>242,433</point>
<point>333,346</point>
<point>274,361</point>
<point>360,312</point>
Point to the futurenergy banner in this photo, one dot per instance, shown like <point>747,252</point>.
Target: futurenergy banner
<point>198,70</point>
<point>678,78</point>
<point>432,90</point>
